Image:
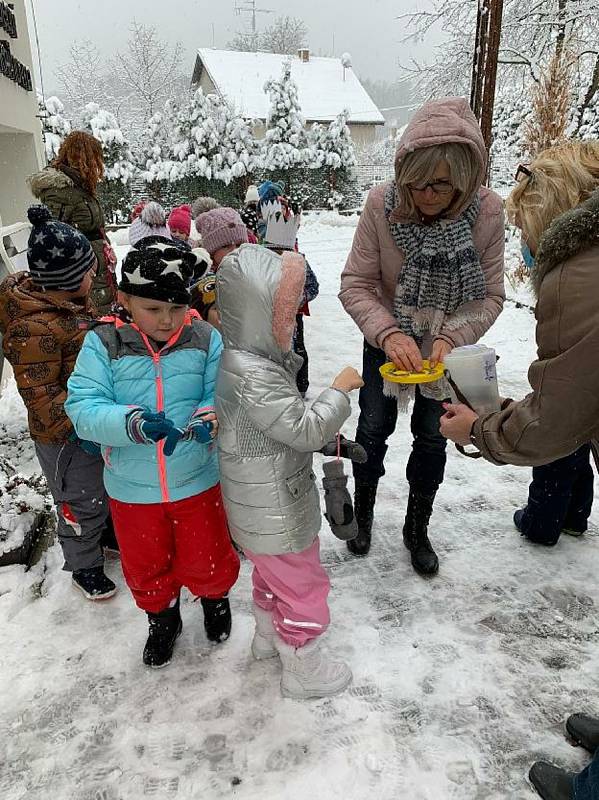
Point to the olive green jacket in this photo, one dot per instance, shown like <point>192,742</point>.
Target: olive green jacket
<point>62,190</point>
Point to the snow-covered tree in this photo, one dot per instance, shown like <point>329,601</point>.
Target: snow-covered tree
<point>286,35</point>
<point>55,126</point>
<point>118,160</point>
<point>155,152</point>
<point>237,154</point>
<point>148,70</point>
<point>284,145</point>
<point>333,145</point>
<point>83,75</point>
<point>532,33</point>
<point>119,167</point>
<point>195,139</point>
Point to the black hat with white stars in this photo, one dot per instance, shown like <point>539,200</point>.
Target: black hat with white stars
<point>58,256</point>
<point>158,272</point>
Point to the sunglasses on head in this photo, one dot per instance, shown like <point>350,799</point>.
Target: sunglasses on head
<point>523,173</point>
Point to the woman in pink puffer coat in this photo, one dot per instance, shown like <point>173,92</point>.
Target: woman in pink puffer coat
<point>425,275</point>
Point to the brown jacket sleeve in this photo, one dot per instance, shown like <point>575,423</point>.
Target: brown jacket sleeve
<point>39,373</point>
<point>562,412</point>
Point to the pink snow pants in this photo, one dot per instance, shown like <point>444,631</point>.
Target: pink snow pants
<point>294,587</point>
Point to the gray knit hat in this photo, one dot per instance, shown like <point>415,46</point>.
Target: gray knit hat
<point>151,222</point>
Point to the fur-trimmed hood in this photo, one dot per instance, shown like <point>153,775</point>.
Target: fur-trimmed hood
<point>568,235</point>
<point>258,295</point>
<point>48,178</point>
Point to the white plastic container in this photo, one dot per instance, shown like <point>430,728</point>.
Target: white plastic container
<point>472,369</point>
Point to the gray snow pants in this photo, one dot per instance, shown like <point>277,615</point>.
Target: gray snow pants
<point>75,480</point>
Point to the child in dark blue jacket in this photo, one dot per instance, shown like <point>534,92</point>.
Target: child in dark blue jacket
<point>143,388</point>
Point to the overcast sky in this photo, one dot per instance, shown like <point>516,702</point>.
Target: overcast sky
<point>367,29</point>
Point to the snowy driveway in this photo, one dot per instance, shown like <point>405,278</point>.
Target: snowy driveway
<point>459,682</point>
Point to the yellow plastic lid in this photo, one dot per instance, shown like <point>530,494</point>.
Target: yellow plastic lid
<point>428,374</point>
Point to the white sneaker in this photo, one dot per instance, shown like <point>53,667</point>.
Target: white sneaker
<point>263,643</point>
<point>308,673</point>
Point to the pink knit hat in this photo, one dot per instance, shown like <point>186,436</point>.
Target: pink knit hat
<point>180,220</point>
<point>221,227</point>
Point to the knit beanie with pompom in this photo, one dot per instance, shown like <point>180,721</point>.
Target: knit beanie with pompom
<point>59,257</point>
<point>201,205</point>
<point>151,222</point>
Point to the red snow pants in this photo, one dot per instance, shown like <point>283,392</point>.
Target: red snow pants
<point>165,546</point>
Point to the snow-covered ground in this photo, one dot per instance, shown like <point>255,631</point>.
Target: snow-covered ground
<point>460,682</point>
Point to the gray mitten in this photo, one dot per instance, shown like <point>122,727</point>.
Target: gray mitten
<point>339,508</point>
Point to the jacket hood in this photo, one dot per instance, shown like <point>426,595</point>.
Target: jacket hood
<point>258,294</point>
<point>568,235</point>
<point>48,178</point>
<point>449,119</point>
<point>19,295</point>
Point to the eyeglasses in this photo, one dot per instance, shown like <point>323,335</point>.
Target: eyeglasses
<point>523,173</point>
<point>438,187</point>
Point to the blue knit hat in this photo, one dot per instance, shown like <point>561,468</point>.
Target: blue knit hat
<point>59,256</point>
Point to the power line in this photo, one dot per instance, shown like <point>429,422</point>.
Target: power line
<point>39,56</point>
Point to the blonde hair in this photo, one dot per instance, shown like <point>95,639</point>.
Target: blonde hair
<point>419,167</point>
<point>562,178</point>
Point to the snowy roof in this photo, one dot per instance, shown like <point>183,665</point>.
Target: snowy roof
<point>323,93</point>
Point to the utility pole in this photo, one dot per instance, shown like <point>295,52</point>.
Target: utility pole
<point>249,7</point>
<point>484,65</point>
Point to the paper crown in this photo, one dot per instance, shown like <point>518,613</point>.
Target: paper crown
<point>281,224</point>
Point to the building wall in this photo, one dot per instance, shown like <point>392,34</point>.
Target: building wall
<point>21,146</point>
<point>363,135</point>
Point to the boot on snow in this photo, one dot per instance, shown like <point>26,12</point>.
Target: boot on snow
<point>94,583</point>
<point>584,731</point>
<point>415,533</point>
<point>165,627</point>
<point>308,673</point>
<point>263,643</point>
<point>217,618</point>
<point>364,499</point>
<point>551,782</point>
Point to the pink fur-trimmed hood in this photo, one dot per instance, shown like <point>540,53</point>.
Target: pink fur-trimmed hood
<point>258,294</point>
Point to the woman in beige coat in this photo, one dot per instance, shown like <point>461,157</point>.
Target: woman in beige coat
<point>425,274</point>
<point>556,206</point>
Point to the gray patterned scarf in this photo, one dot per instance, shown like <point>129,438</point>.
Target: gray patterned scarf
<point>441,284</point>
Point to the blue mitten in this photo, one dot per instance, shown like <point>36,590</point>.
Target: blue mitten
<point>146,427</point>
<point>172,440</point>
<point>200,429</point>
<point>91,448</point>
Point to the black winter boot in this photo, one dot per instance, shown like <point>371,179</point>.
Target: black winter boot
<point>217,618</point>
<point>551,782</point>
<point>364,499</point>
<point>165,627</point>
<point>415,538</point>
<point>94,583</point>
<point>584,730</point>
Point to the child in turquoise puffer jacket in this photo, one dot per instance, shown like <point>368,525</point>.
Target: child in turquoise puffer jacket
<point>143,388</point>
